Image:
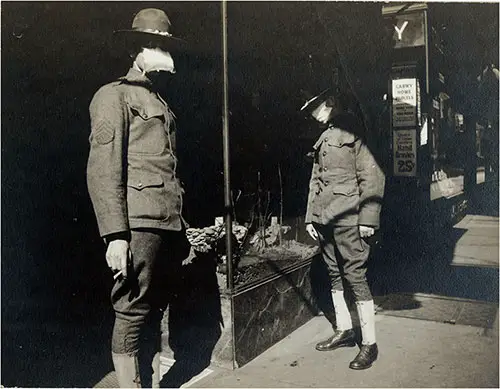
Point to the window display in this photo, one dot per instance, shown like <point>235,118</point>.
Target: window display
<point>449,151</point>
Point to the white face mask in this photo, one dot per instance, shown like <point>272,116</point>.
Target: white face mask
<point>154,60</point>
<point>322,113</point>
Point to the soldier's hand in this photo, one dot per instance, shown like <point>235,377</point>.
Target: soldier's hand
<point>118,255</point>
<point>366,231</point>
<point>311,231</point>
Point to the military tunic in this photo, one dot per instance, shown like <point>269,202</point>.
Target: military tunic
<point>347,184</point>
<point>131,171</point>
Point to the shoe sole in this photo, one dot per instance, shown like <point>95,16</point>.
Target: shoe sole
<point>361,367</point>
<point>336,347</point>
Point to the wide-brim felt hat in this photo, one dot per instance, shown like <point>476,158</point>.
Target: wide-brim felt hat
<point>151,25</point>
<point>314,102</point>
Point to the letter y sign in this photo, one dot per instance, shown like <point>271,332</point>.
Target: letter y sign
<point>400,30</point>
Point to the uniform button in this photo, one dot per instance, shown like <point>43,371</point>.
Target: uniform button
<point>324,169</point>
<point>326,139</point>
<point>139,184</point>
<point>326,183</point>
<point>324,153</point>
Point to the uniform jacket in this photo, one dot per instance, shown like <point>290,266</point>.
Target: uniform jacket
<point>347,184</point>
<point>131,170</point>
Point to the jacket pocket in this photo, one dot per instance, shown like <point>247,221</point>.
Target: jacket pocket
<point>342,138</point>
<point>345,189</point>
<point>148,133</point>
<point>146,197</point>
<point>339,152</point>
<point>146,181</point>
<point>148,111</point>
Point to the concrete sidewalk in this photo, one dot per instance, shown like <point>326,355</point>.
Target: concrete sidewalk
<point>413,353</point>
<point>420,344</point>
<point>478,246</point>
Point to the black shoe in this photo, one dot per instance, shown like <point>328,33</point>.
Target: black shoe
<point>365,358</point>
<point>339,339</point>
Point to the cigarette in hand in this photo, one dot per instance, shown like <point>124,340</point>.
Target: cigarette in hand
<point>117,274</point>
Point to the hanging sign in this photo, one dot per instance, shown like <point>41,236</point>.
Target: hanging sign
<point>404,102</point>
<point>409,30</point>
<point>405,152</point>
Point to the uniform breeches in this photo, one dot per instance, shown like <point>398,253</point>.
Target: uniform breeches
<point>140,300</point>
<point>345,254</point>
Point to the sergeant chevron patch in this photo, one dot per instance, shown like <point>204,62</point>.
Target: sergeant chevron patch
<point>104,131</point>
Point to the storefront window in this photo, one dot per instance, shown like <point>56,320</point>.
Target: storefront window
<point>449,144</point>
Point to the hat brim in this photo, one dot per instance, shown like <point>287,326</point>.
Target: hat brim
<point>142,37</point>
<point>315,101</point>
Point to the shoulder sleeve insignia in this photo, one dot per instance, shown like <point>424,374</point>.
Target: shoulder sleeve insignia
<point>103,131</point>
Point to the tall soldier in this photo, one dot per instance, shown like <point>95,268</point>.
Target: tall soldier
<point>345,195</point>
<point>136,194</point>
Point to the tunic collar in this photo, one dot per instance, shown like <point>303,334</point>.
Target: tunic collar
<point>134,76</point>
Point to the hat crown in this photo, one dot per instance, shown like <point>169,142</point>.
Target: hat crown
<point>152,20</point>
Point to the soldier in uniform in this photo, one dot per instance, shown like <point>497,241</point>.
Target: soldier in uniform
<point>136,194</point>
<point>343,208</point>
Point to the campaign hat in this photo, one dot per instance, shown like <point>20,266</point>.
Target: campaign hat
<point>151,26</point>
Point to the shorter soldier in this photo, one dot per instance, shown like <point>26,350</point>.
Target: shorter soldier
<point>345,195</point>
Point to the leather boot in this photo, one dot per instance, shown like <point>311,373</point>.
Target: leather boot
<point>339,339</point>
<point>365,358</point>
<point>127,370</point>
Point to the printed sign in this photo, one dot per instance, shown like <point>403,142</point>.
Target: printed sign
<point>404,102</point>
<point>405,152</point>
<point>409,30</point>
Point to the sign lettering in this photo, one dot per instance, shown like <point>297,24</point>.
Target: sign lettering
<point>405,153</point>
<point>404,102</point>
<point>409,30</point>
<point>400,31</point>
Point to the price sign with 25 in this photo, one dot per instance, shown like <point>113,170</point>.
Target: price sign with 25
<point>405,166</point>
<point>405,153</point>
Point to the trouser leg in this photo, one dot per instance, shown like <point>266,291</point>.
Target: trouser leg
<point>136,318</point>
<point>354,253</point>
<point>328,248</point>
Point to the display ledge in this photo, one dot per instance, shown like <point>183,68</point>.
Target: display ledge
<point>229,330</point>
<point>238,289</point>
